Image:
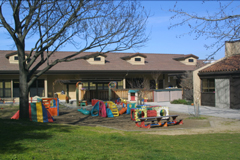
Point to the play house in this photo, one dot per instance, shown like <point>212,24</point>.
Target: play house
<point>133,95</point>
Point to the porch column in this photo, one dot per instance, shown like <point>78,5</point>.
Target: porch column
<point>11,88</point>
<point>46,88</point>
<point>124,83</point>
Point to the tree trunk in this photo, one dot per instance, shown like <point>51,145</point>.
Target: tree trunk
<point>24,110</point>
<point>23,85</point>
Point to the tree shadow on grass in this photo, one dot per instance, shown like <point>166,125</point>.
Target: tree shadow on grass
<point>14,132</point>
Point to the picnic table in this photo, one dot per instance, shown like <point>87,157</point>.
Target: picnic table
<point>158,121</point>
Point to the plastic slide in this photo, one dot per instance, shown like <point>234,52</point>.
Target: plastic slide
<point>123,110</point>
<point>84,111</point>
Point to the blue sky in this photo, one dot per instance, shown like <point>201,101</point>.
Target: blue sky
<point>162,39</point>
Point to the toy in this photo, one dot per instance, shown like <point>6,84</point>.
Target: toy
<point>99,109</point>
<point>109,113</point>
<point>95,110</point>
<point>51,104</point>
<point>37,113</point>
<point>113,108</point>
<point>123,110</point>
<point>102,109</point>
<point>84,111</point>
<point>138,113</point>
<point>94,101</point>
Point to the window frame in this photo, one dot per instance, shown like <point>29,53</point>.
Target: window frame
<point>209,88</point>
<point>97,58</point>
<point>191,60</point>
<point>4,89</point>
<point>138,59</point>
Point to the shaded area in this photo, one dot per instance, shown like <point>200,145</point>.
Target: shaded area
<point>13,132</point>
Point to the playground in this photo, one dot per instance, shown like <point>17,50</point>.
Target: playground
<point>122,122</point>
<point>191,125</point>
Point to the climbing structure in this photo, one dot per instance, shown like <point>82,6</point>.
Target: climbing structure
<point>37,113</point>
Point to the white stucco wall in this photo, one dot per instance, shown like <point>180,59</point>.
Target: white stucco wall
<point>222,93</point>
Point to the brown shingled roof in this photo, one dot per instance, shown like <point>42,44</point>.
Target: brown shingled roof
<point>94,55</point>
<point>228,64</point>
<point>186,56</point>
<point>114,63</point>
<point>12,53</point>
<point>134,55</point>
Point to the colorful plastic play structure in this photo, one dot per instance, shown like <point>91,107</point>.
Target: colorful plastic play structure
<point>52,105</point>
<point>37,113</point>
<point>42,110</point>
<point>138,113</point>
<point>148,111</point>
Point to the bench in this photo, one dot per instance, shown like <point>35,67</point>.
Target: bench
<point>3,100</point>
<point>159,123</point>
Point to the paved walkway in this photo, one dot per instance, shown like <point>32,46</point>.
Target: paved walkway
<point>203,110</point>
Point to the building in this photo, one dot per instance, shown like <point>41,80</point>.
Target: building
<point>95,71</point>
<point>218,84</point>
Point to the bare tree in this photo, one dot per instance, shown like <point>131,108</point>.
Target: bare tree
<point>142,85</point>
<point>156,76</point>
<point>106,25</point>
<point>187,85</point>
<point>221,26</point>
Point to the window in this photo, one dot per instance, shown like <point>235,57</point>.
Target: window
<point>208,85</point>
<point>160,84</point>
<point>190,60</point>
<point>120,85</point>
<point>152,84</point>
<point>5,88</point>
<point>15,57</point>
<point>16,88</point>
<point>92,86</point>
<point>85,85</point>
<point>134,83</point>
<point>138,59</point>
<point>97,58</point>
<point>37,88</point>
<point>100,86</point>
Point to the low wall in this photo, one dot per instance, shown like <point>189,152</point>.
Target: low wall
<point>167,95</point>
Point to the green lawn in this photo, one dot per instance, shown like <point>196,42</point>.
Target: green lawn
<point>31,140</point>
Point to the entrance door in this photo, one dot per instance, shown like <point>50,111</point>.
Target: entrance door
<point>132,96</point>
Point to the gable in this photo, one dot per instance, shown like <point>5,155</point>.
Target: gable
<point>135,59</point>
<point>96,60</point>
<point>188,59</point>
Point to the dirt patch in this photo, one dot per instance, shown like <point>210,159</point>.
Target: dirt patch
<point>124,122</point>
<point>71,116</point>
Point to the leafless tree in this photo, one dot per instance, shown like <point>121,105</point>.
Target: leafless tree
<point>106,25</point>
<point>156,76</point>
<point>142,85</point>
<point>221,26</point>
<point>187,84</point>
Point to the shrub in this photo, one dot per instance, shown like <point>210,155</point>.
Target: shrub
<point>181,101</point>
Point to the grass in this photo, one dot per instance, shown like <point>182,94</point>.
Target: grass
<point>31,140</point>
<point>199,117</point>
